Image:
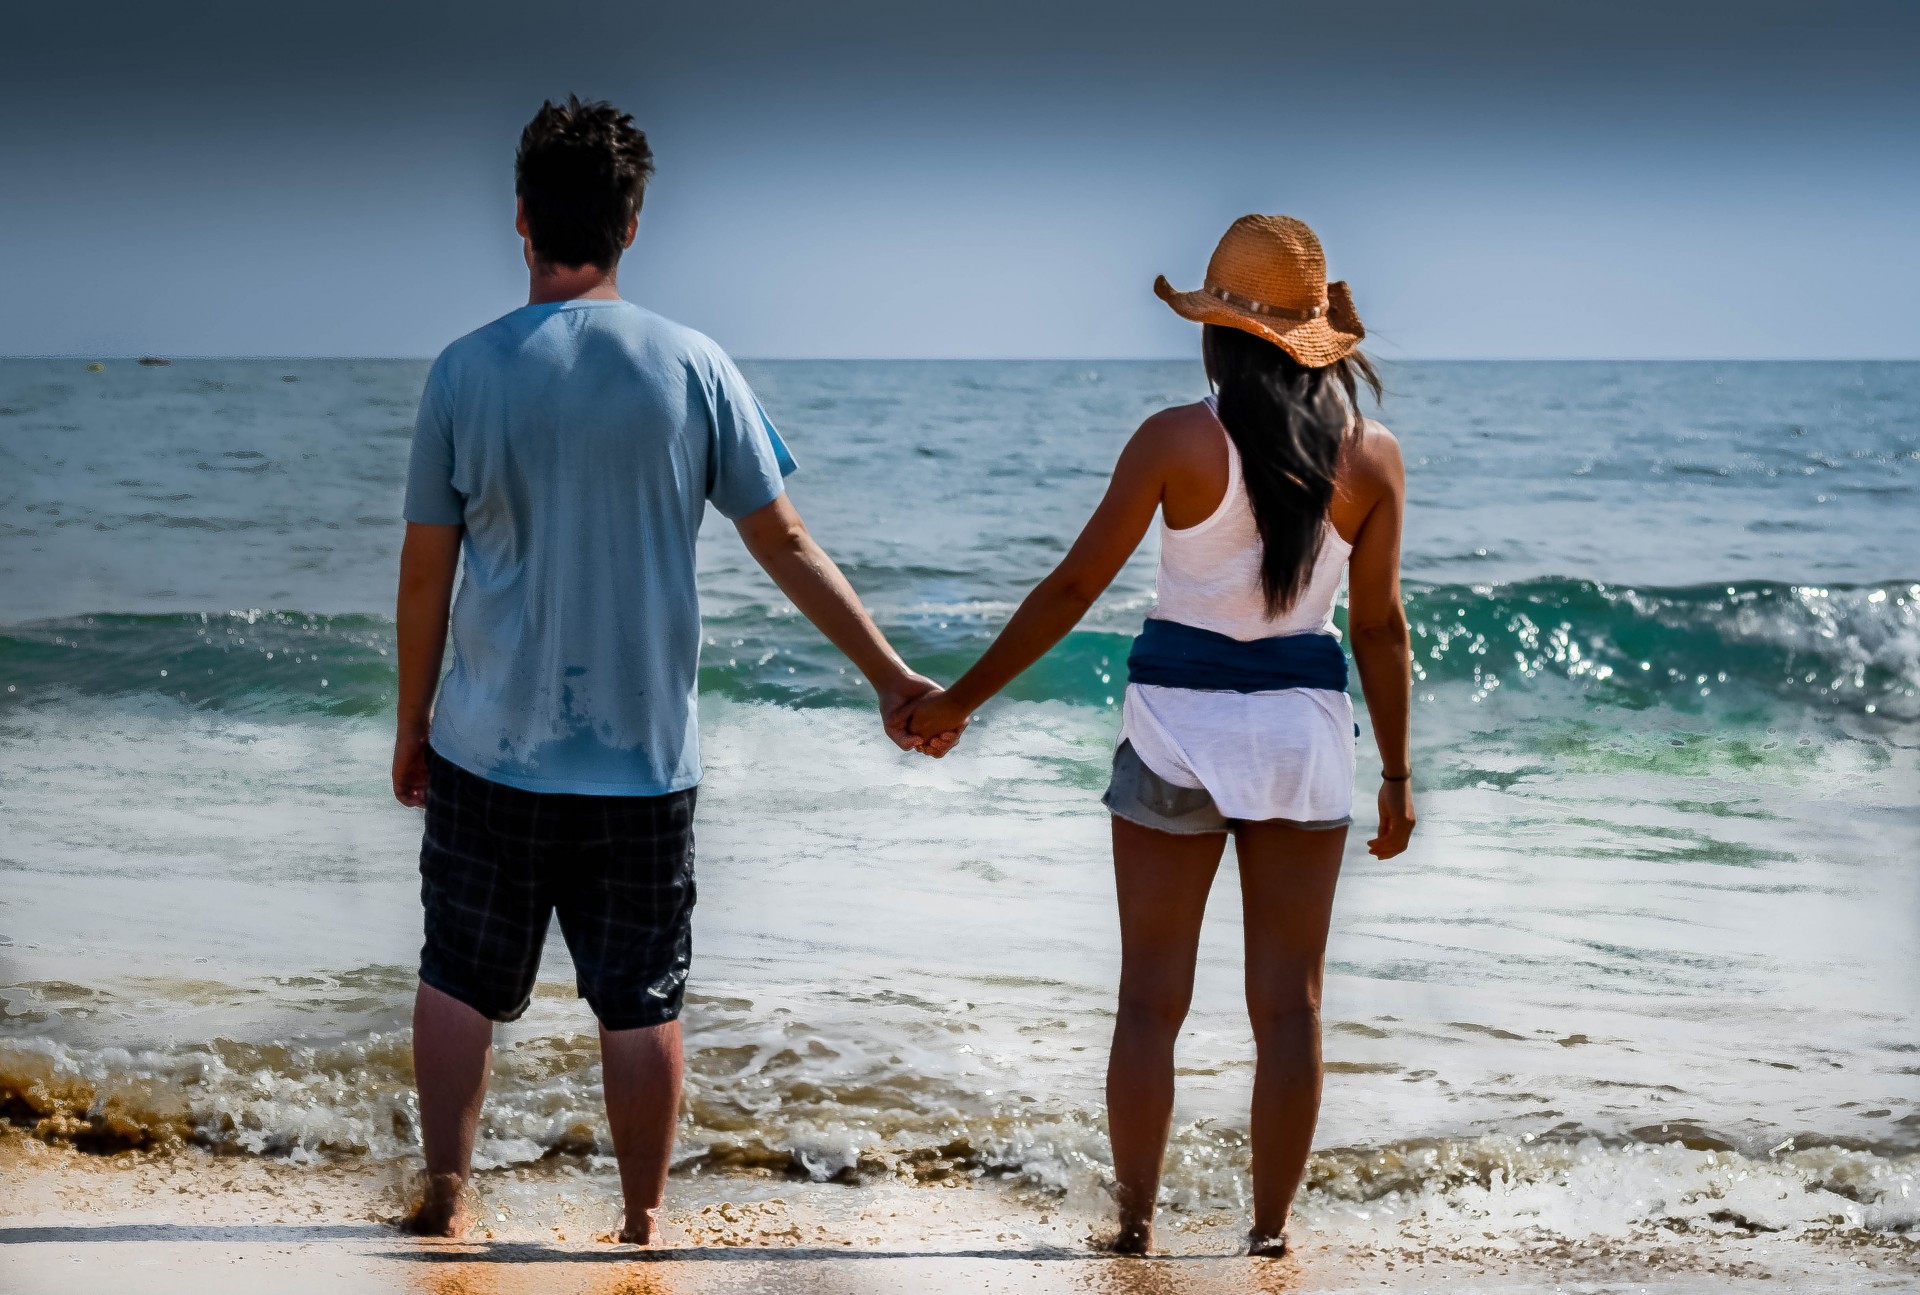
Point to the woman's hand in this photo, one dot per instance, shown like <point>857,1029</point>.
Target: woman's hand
<point>937,721</point>
<point>898,700</point>
<point>1396,819</point>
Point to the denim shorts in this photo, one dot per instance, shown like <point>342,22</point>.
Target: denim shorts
<point>497,863</point>
<point>1141,796</point>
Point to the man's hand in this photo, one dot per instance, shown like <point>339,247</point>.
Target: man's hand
<point>896,700</point>
<point>897,703</point>
<point>1396,820</point>
<point>410,769</point>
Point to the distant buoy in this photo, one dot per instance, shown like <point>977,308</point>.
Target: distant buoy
<point>96,367</point>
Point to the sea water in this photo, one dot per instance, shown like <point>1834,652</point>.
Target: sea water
<point>1650,962</point>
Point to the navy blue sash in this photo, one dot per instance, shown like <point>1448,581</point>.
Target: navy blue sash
<point>1173,655</point>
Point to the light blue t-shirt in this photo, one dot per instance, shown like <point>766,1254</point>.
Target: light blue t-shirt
<point>579,443</point>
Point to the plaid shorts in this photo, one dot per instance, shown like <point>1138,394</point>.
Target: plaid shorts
<point>498,862</point>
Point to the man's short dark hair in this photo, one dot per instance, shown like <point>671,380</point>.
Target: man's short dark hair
<point>581,173</point>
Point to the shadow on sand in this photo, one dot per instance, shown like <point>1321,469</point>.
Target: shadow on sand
<point>507,1252</point>
<point>251,1232</point>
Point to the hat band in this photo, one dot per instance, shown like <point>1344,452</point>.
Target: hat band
<point>1262,308</point>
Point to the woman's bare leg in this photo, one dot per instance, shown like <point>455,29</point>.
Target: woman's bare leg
<point>1287,877</point>
<point>1163,882</point>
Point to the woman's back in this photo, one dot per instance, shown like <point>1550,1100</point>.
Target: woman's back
<point>1210,571</point>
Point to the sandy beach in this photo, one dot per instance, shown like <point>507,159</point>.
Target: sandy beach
<point>191,1221</point>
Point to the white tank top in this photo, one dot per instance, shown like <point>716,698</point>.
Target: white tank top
<point>1210,573</point>
<point>1272,755</point>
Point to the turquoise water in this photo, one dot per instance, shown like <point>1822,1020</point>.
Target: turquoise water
<point>1658,920</point>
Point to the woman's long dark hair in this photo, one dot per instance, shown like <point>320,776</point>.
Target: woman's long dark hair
<point>1291,424</point>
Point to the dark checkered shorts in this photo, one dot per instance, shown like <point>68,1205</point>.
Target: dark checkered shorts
<point>498,862</point>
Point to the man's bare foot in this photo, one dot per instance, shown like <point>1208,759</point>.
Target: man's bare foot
<point>442,1211</point>
<point>1133,1238</point>
<point>1267,1245</point>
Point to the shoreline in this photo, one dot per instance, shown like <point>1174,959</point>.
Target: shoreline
<point>188,1220</point>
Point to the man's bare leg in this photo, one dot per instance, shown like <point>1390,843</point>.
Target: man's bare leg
<point>452,1056</point>
<point>642,1077</point>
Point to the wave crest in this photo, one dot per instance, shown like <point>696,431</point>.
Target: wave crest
<point>1854,647</point>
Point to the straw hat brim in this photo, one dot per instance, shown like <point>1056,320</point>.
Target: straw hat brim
<point>1314,342</point>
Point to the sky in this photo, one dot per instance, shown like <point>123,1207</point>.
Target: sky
<point>1514,179</point>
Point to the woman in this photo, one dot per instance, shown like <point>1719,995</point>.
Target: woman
<point>1237,719</point>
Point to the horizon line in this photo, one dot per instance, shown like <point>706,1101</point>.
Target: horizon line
<point>97,358</point>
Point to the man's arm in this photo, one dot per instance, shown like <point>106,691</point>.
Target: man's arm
<point>779,542</point>
<point>428,560</point>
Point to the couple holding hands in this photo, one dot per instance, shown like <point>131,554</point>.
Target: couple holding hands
<point>568,451</point>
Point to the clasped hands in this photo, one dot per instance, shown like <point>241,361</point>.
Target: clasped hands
<point>919,715</point>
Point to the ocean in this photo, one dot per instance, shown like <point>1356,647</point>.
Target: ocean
<point>1648,970</point>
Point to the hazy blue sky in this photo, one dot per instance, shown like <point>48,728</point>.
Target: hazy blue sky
<point>1516,179</point>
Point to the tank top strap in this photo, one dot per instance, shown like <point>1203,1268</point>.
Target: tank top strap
<point>1235,478</point>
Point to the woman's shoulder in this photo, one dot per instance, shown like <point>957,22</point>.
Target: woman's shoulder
<point>1180,434</point>
<point>1180,420</point>
<point>1180,455</point>
<point>1370,472</point>
<point>1375,438</point>
<point>1374,457</point>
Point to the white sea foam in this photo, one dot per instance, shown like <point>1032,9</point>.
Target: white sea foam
<point>306,1105</point>
<point>907,967</point>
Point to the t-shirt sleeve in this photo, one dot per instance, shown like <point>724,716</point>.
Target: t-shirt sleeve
<point>750,462</point>
<point>431,497</point>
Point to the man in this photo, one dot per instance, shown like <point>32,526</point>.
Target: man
<point>570,448</point>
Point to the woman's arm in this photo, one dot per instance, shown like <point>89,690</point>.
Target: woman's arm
<point>1058,602</point>
<point>1377,628</point>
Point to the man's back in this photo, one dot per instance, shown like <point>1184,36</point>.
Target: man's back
<point>578,442</point>
<point>568,450</point>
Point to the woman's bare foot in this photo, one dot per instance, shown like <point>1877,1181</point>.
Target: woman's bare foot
<point>1135,1237</point>
<point>636,1229</point>
<point>442,1211</point>
<point>1267,1245</point>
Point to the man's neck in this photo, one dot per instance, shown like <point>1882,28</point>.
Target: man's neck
<point>547,283</point>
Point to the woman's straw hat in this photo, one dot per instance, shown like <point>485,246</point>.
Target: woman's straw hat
<point>1268,276</point>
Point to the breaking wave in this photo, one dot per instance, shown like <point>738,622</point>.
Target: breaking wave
<point>1856,648</point>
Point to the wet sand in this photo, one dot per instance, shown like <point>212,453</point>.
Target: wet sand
<point>187,1221</point>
